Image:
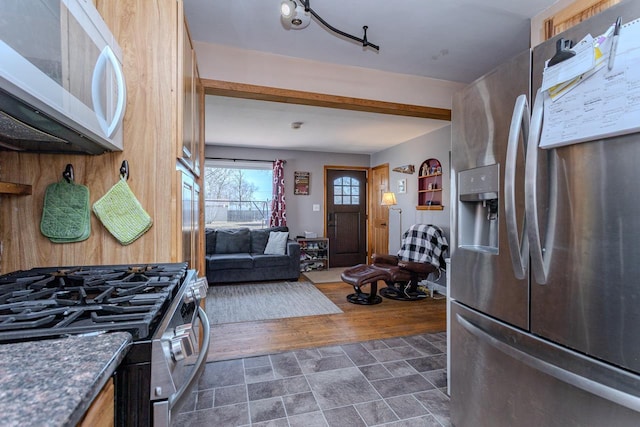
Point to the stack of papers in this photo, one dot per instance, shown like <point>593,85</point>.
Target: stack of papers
<point>591,56</point>
<point>583,102</point>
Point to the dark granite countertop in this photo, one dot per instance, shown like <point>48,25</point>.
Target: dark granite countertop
<point>53,382</point>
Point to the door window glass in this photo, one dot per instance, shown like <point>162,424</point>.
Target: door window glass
<point>346,191</point>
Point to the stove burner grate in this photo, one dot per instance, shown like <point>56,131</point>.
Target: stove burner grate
<point>45,302</point>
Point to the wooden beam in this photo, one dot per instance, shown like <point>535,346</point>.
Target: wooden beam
<point>288,96</point>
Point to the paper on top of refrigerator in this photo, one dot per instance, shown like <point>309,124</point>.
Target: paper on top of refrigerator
<point>604,105</point>
<point>591,56</point>
<point>583,61</point>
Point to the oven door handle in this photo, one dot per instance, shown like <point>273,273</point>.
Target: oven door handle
<point>176,399</point>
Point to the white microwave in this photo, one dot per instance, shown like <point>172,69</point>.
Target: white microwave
<point>62,89</point>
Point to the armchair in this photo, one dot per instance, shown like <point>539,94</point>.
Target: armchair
<point>421,254</point>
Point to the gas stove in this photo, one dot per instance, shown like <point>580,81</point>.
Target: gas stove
<point>160,305</point>
<point>57,301</point>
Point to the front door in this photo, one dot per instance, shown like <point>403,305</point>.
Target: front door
<point>346,192</point>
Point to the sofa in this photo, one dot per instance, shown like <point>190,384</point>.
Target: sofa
<point>250,255</point>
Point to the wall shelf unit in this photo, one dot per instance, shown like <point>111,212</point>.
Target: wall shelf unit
<point>15,189</point>
<point>430,186</point>
<point>314,254</point>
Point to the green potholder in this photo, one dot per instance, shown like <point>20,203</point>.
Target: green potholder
<point>121,213</point>
<point>66,214</point>
<point>85,234</point>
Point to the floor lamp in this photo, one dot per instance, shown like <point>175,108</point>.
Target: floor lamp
<point>389,200</point>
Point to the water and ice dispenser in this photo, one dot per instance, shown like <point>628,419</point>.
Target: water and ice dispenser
<point>478,205</point>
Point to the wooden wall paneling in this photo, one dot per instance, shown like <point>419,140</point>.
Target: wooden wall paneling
<point>147,33</point>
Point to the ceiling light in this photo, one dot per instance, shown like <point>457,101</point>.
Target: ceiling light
<point>294,15</point>
<point>297,15</point>
<point>287,7</point>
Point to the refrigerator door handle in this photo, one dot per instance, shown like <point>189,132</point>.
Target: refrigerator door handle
<point>540,257</point>
<point>519,248</point>
<point>583,383</point>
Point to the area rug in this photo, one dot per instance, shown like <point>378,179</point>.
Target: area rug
<point>331,275</point>
<point>263,301</point>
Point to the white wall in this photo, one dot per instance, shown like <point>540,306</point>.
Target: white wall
<point>300,214</point>
<point>266,69</point>
<point>437,145</point>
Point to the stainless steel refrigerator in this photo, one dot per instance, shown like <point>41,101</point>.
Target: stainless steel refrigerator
<point>545,258</point>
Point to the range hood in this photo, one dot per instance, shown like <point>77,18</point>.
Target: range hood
<point>25,128</point>
<point>62,89</point>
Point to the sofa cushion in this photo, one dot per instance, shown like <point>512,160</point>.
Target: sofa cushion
<point>229,261</point>
<point>260,261</point>
<point>210,241</point>
<point>233,241</point>
<point>277,243</point>
<point>259,238</point>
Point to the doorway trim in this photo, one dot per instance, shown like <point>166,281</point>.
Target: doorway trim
<point>367,170</point>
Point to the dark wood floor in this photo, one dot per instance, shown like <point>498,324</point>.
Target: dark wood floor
<point>357,323</point>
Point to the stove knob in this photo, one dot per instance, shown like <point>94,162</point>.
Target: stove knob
<point>197,293</point>
<point>181,347</point>
<point>176,349</point>
<point>200,288</point>
<point>188,296</point>
<point>183,329</point>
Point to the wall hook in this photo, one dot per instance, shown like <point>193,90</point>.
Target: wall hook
<point>124,170</point>
<point>68,174</point>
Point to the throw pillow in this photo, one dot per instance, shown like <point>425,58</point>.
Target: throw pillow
<point>260,237</point>
<point>277,243</point>
<point>233,241</point>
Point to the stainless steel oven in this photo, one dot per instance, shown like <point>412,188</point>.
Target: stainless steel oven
<point>179,351</point>
<point>159,304</point>
<point>159,373</point>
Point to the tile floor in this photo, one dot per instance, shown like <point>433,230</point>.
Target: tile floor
<point>399,382</point>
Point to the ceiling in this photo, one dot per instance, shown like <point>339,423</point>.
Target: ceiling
<point>456,40</point>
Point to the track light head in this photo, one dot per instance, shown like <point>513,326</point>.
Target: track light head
<point>287,9</point>
<point>294,15</point>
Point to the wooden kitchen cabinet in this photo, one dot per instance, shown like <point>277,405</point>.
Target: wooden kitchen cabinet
<point>190,219</point>
<point>189,151</point>
<point>101,413</point>
<point>151,35</point>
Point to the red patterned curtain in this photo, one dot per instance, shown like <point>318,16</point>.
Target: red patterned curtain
<point>278,206</point>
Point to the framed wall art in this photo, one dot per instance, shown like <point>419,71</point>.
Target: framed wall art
<point>301,183</point>
<point>402,186</point>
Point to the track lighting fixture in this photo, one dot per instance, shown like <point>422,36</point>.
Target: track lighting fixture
<point>296,14</point>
